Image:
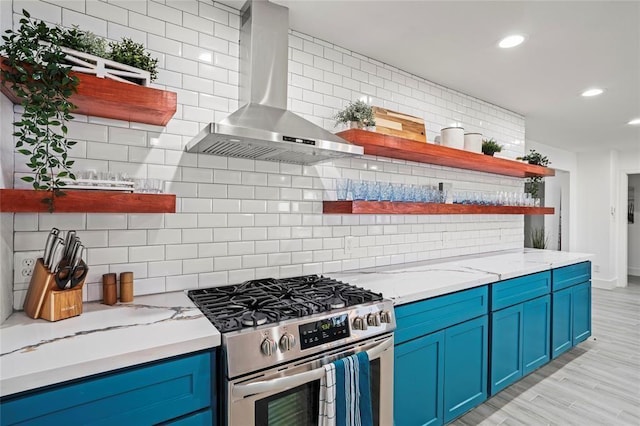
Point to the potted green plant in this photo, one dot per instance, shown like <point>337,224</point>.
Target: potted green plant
<point>533,183</point>
<point>539,240</point>
<point>34,69</point>
<point>356,115</point>
<point>490,147</point>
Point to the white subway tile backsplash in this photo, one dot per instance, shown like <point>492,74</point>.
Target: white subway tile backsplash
<point>165,268</point>
<point>182,282</point>
<point>106,256</point>
<point>196,266</point>
<point>107,12</point>
<point>249,219</point>
<point>182,34</point>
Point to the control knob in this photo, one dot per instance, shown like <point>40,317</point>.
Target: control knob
<point>268,346</point>
<point>385,317</point>
<point>373,319</point>
<point>287,342</point>
<point>359,323</point>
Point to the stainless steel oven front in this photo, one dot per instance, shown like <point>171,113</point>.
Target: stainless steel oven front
<point>289,394</point>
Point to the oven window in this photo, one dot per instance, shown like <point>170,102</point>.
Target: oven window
<point>297,406</point>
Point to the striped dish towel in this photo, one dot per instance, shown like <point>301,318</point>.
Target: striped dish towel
<point>345,396</point>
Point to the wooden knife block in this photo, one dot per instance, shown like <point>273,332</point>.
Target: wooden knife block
<point>45,300</point>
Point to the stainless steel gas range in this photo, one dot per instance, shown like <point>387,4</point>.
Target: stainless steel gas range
<point>277,334</point>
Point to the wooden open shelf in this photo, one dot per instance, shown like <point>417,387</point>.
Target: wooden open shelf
<point>86,201</point>
<point>102,97</point>
<point>387,207</point>
<point>407,149</point>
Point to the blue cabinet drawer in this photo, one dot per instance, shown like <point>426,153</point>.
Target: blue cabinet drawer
<point>145,395</point>
<point>571,275</point>
<point>426,316</point>
<point>517,290</point>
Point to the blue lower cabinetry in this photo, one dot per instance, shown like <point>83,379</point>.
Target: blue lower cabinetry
<point>581,312</point>
<point>465,367</point>
<point>149,394</point>
<point>519,341</point>
<point>418,382</point>
<point>571,317</point>
<point>536,330</point>
<point>443,373</point>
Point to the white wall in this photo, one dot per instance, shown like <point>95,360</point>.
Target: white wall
<point>602,212</point>
<point>6,181</point>
<point>633,235</point>
<point>244,219</point>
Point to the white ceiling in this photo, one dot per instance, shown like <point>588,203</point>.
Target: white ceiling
<point>570,46</point>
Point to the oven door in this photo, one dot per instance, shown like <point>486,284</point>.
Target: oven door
<point>289,395</point>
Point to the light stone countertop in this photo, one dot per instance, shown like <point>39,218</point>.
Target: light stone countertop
<point>36,353</point>
<point>412,282</point>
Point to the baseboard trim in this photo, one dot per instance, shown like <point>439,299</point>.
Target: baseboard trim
<point>633,271</point>
<point>604,284</point>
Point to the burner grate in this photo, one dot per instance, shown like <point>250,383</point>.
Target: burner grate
<point>270,300</point>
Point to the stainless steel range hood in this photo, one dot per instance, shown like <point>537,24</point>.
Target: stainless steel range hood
<point>263,129</point>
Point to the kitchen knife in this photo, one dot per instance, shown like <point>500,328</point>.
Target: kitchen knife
<point>68,244</point>
<point>57,255</point>
<point>46,257</point>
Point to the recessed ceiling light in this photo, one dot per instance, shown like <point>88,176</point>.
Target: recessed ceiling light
<point>511,41</point>
<point>592,92</point>
<point>634,122</point>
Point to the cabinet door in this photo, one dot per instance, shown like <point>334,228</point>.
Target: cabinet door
<point>581,312</point>
<point>535,327</point>
<point>506,347</point>
<point>465,367</point>
<point>562,323</point>
<point>418,381</point>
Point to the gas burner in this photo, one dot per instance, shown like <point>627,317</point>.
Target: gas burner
<point>336,303</point>
<point>253,319</point>
<point>266,301</point>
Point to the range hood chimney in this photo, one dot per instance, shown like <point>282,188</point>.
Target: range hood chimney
<point>263,129</point>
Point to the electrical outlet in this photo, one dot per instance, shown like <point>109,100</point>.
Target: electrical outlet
<point>596,268</point>
<point>348,244</point>
<point>23,265</point>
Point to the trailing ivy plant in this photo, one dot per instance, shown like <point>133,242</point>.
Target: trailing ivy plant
<point>129,52</point>
<point>36,73</point>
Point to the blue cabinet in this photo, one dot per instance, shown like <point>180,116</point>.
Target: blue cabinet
<point>418,381</point>
<point>465,367</point>
<point>520,328</point>
<point>149,394</point>
<point>571,317</point>
<point>440,358</point>
<point>571,312</point>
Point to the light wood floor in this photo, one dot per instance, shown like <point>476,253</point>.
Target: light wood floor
<point>595,383</point>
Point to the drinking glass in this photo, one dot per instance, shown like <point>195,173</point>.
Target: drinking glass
<point>359,189</point>
<point>373,191</point>
<point>385,191</point>
<point>397,192</point>
<point>342,189</point>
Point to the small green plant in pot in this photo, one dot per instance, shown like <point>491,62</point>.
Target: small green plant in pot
<point>34,69</point>
<point>358,112</point>
<point>129,52</point>
<point>539,240</point>
<point>533,183</point>
<point>490,147</point>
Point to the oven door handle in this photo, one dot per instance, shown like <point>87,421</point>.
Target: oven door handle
<point>241,391</point>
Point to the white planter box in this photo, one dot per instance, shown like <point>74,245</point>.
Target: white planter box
<point>105,68</point>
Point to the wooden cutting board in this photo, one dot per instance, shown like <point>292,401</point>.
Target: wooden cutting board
<point>397,124</point>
